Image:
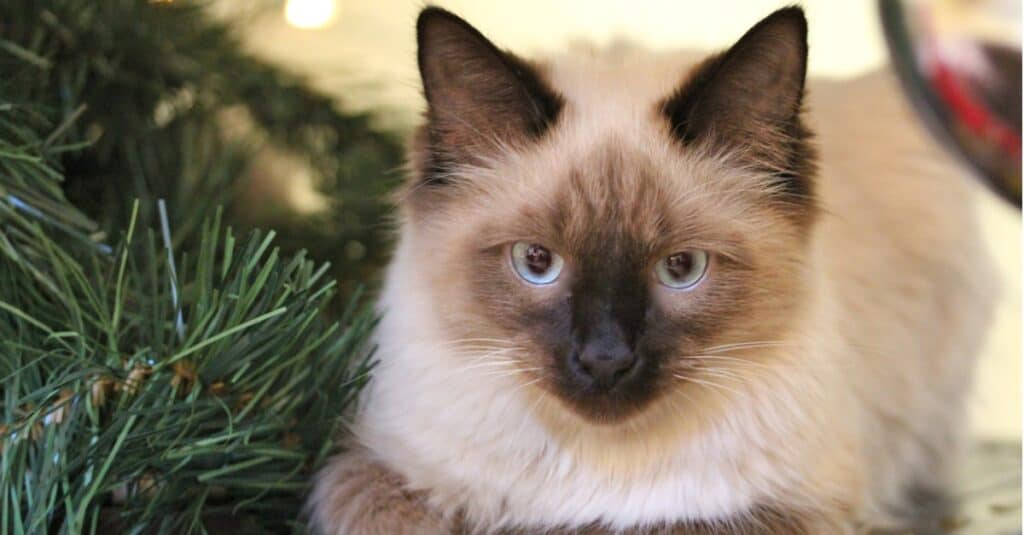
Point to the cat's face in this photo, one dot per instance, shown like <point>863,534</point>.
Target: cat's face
<point>603,260</point>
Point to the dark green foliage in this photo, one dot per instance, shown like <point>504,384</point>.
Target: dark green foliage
<point>152,85</point>
<point>159,373</point>
<point>121,412</point>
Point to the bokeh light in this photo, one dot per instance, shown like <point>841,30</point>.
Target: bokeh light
<point>310,14</point>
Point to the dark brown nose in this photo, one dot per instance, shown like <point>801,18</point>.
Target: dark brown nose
<point>604,360</point>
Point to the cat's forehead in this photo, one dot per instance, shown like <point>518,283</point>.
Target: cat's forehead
<point>610,197</point>
<point>611,194</point>
<point>619,81</point>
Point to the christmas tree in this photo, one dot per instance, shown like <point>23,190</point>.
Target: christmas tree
<point>165,367</point>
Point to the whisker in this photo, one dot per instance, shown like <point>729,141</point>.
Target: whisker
<point>709,384</point>
<point>524,385</point>
<point>493,359</point>
<point>461,340</point>
<point>498,363</point>
<point>777,365</point>
<point>748,345</point>
<point>736,360</point>
<point>724,374</point>
<point>503,373</point>
<point>514,370</point>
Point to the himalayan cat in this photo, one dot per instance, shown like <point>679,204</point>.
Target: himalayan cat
<point>635,294</point>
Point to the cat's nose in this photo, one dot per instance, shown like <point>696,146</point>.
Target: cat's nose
<point>604,362</point>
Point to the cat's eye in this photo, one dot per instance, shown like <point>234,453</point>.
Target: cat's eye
<point>535,263</point>
<point>682,270</point>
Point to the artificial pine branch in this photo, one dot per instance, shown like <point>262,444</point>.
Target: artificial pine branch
<point>160,373</point>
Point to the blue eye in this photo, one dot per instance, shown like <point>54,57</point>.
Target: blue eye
<point>683,270</point>
<point>535,263</point>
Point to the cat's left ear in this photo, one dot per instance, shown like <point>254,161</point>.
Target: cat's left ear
<point>749,98</point>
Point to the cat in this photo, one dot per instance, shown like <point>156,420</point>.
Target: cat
<point>636,294</point>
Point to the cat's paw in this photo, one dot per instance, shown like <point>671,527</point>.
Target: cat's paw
<point>354,494</point>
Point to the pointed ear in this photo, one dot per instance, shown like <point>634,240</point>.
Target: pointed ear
<point>477,95</point>
<point>749,98</point>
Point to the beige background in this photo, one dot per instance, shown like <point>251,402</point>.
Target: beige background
<point>367,54</point>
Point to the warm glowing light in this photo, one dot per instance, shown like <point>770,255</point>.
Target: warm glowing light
<point>310,14</point>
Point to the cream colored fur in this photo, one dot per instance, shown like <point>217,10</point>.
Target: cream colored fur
<point>864,400</point>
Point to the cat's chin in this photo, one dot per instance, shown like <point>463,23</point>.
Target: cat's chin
<point>607,408</point>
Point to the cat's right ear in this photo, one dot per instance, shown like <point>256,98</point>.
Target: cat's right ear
<point>478,97</point>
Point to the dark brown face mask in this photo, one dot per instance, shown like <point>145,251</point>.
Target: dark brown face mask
<point>976,113</point>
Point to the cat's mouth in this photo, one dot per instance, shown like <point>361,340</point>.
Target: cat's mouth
<point>606,391</point>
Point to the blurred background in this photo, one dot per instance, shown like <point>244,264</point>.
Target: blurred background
<point>363,51</point>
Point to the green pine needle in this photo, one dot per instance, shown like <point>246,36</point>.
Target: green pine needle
<point>160,371</point>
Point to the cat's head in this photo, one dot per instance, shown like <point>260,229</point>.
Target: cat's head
<point>607,233</point>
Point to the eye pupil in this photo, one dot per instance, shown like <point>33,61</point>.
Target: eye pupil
<point>679,265</point>
<point>538,259</point>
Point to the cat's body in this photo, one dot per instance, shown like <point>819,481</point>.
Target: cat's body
<point>829,365</point>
